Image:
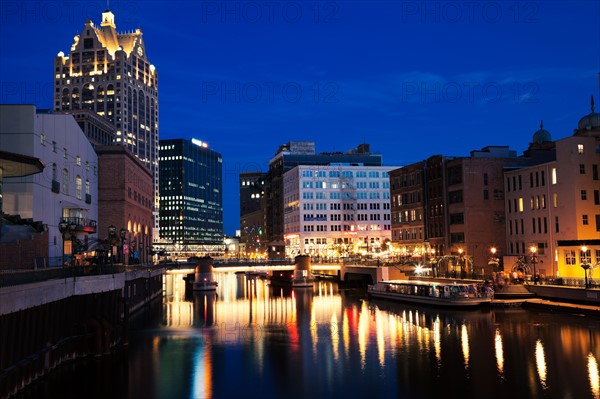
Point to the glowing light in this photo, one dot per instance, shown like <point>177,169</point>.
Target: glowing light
<point>380,338</point>
<point>464,338</point>
<point>363,333</point>
<point>200,143</point>
<point>499,352</point>
<point>540,361</point>
<point>594,375</point>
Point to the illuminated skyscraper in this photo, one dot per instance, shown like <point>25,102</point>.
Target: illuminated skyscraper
<point>191,195</point>
<point>108,73</point>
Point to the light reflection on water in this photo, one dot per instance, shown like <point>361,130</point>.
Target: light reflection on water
<point>250,339</point>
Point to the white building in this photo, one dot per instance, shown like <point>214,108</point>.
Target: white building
<point>336,210</point>
<point>67,189</point>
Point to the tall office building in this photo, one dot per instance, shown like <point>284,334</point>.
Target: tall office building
<point>252,213</point>
<point>108,73</point>
<point>289,156</point>
<point>191,195</point>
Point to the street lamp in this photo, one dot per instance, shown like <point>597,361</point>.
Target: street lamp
<point>63,227</point>
<point>584,264</point>
<point>112,233</point>
<point>122,234</point>
<point>494,261</point>
<point>534,260</point>
<point>461,260</point>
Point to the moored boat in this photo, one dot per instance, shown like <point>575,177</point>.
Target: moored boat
<point>435,293</point>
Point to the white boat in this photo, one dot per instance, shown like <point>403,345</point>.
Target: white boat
<point>436,293</point>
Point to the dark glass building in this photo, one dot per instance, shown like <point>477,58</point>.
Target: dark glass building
<point>191,193</point>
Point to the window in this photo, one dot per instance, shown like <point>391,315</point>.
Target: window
<point>580,149</point>
<point>521,204</point>
<point>554,176</point>
<point>597,229</point>
<point>584,220</point>
<point>87,187</point>
<point>555,200</point>
<point>486,194</point>
<point>458,218</point>
<point>54,146</point>
<point>42,139</point>
<point>595,171</point>
<point>65,182</point>
<point>66,152</point>
<point>54,172</point>
<point>596,197</point>
<point>585,257</point>
<point>557,229</point>
<point>582,169</point>
<point>543,174</point>
<point>583,195</point>
<point>78,160</point>
<point>307,173</point>
<point>544,201</point>
<point>78,187</point>
<point>485,179</point>
<point>455,197</point>
<point>570,257</point>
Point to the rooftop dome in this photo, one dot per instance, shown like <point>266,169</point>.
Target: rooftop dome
<point>590,121</point>
<point>542,135</point>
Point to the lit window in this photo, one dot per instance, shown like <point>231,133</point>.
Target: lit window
<point>78,187</point>
<point>521,204</point>
<point>555,200</point>
<point>553,175</point>
<point>580,149</point>
<point>78,160</point>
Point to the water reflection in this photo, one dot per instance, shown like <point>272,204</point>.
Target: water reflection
<point>594,375</point>
<point>499,353</point>
<point>250,339</point>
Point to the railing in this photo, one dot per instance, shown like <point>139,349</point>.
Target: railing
<point>81,223</point>
<point>10,278</point>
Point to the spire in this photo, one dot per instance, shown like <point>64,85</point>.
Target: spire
<point>541,124</point>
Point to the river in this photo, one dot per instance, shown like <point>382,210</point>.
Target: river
<point>254,340</point>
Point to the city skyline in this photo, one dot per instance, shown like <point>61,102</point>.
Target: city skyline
<point>464,75</point>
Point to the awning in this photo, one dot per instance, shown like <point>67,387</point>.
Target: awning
<point>71,205</point>
<point>18,165</point>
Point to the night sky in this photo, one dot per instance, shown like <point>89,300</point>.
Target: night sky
<point>411,78</point>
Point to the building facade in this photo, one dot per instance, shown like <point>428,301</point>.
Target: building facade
<point>252,215</point>
<point>108,73</point>
<point>337,210</point>
<point>293,154</point>
<point>451,207</point>
<point>191,195</point>
<point>65,192</point>
<point>553,208</point>
<point>125,191</point>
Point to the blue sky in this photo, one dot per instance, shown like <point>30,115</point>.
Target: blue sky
<point>412,78</point>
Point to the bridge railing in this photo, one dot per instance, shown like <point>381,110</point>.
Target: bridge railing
<point>17,277</point>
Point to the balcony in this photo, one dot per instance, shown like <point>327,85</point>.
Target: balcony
<point>81,224</point>
<point>55,186</point>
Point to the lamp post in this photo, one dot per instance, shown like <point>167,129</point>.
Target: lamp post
<point>112,233</point>
<point>122,234</point>
<point>63,227</point>
<point>534,260</point>
<point>433,262</point>
<point>461,260</point>
<point>584,264</point>
<point>494,261</point>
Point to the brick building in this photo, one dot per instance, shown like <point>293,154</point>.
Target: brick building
<point>125,200</point>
